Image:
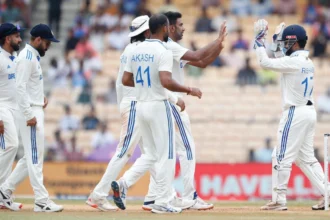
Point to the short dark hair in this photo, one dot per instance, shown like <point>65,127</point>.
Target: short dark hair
<point>173,16</point>
<point>156,22</point>
<point>139,37</point>
<point>302,43</point>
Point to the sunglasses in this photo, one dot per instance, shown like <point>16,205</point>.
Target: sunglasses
<point>133,28</point>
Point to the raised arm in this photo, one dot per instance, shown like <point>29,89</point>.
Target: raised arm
<point>205,55</point>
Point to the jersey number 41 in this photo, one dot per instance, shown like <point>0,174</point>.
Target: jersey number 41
<point>139,77</point>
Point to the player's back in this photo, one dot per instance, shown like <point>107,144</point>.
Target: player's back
<point>298,85</point>
<point>146,61</point>
<point>125,91</point>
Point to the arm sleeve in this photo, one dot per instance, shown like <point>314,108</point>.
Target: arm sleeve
<point>166,61</point>
<point>284,64</point>
<point>172,97</point>
<point>23,72</point>
<point>177,50</point>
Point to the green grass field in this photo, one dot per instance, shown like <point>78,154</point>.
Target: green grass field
<point>223,210</point>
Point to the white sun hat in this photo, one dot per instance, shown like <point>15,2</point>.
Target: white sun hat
<point>139,25</point>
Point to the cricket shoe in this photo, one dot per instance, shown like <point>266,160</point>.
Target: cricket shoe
<point>274,206</point>
<point>100,203</point>
<point>182,203</point>
<point>7,202</point>
<point>119,194</point>
<point>19,205</point>
<point>320,205</point>
<point>168,209</point>
<point>201,205</point>
<point>49,206</point>
<point>147,206</point>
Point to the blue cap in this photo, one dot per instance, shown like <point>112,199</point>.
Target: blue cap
<point>43,31</point>
<point>7,29</point>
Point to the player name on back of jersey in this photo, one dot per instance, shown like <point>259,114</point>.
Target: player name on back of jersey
<point>307,70</point>
<point>143,58</point>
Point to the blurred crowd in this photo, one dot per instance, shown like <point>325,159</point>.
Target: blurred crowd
<point>103,25</point>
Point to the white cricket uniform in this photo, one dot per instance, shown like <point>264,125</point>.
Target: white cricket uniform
<point>297,126</point>
<point>153,115</point>
<point>130,132</point>
<point>184,142</point>
<point>30,98</point>
<point>8,107</point>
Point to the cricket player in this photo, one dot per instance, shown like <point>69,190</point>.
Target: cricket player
<point>296,129</point>
<point>10,41</point>
<point>149,69</point>
<point>30,117</point>
<point>130,132</point>
<point>184,144</point>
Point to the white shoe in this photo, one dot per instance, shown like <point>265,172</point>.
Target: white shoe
<point>320,205</point>
<point>119,194</point>
<point>201,205</point>
<point>182,203</point>
<point>158,209</point>
<point>147,206</point>
<point>7,202</point>
<point>274,206</point>
<point>49,206</point>
<point>101,204</point>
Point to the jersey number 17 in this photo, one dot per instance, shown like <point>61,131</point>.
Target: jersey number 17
<point>306,85</point>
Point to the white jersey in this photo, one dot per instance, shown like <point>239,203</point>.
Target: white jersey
<point>297,79</point>
<point>145,62</point>
<point>7,79</point>
<point>125,91</point>
<point>29,80</point>
<point>178,64</point>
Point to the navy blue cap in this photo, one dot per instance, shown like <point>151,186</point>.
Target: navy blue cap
<point>43,31</point>
<point>7,29</point>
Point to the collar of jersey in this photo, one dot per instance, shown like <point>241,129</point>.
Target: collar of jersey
<point>154,40</point>
<point>8,54</point>
<point>300,52</point>
<point>34,51</point>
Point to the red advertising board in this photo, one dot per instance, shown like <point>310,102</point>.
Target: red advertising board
<point>244,181</point>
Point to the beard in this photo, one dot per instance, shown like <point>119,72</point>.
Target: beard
<point>14,46</point>
<point>165,38</point>
<point>41,51</point>
<point>289,52</point>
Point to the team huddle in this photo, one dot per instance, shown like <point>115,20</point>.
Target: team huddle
<point>150,90</point>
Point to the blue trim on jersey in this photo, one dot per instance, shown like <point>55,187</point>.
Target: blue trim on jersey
<point>130,129</point>
<point>285,134</point>
<point>34,145</point>
<point>182,132</point>
<point>2,142</point>
<point>28,55</point>
<point>170,130</point>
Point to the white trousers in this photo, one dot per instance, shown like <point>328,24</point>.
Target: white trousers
<point>129,137</point>
<point>31,164</point>
<point>8,143</point>
<point>185,148</point>
<point>295,139</point>
<point>157,130</point>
